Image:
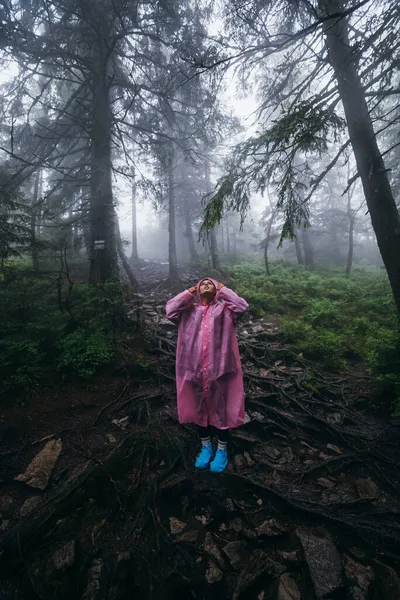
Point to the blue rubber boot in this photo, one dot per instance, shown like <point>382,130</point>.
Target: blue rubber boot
<point>220,462</point>
<point>204,458</point>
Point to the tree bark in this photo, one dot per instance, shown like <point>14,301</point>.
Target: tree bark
<point>34,213</point>
<point>172,256</point>
<point>189,232</point>
<point>307,247</point>
<point>104,260</point>
<point>134,255</point>
<point>215,262</point>
<point>297,246</point>
<point>382,208</point>
<point>351,244</point>
<point>267,238</point>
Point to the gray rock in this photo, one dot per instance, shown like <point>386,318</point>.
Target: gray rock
<point>211,548</point>
<point>271,452</point>
<point>239,461</point>
<point>323,560</point>
<point>367,489</point>
<point>6,503</point>
<point>271,528</point>
<point>64,556</point>
<point>93,587</point>
<point>29,505</point>
<point>288,589</point>
<point>258,329</point>
<point>359,576</point>
<point>213,573</point>
<point>176,525</point>
<point>111,438</point>
<point>39,471</point>
<point>387,582</point>
<point>235,552</point>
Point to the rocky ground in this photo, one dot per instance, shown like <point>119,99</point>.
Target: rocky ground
<point>99,496</point>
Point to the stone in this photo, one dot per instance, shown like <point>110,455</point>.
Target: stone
<point>29,505</point>
<point>235,551</point>
<point>39,471</point>
<point>4,524</point>
<point>111,438</point>
<point>6,503</point>
<point>189,536</point>
<point>248,458</point>
<point>358,574</point>
<point>213,573</point>
<point>258,329</point>
<point>270,528</point>
<point>229,505</point>
<point>211,547</point>
<point>93,587</point>
<point>334,448</point>
<point>239,461</point>
<point>323,560</point>
<point>64,556</point>
<point>258,564</point>
<point>367,489</point>
<point>121,423</point>
<point>326,483</point>
<point>289,557</point>
<point>271,452</point>
<point>288,589</point>
<point>387,582</point>
<point>176,525</point>
<point>236,524</point>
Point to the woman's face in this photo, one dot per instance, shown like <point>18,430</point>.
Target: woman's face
<point>207,288</point>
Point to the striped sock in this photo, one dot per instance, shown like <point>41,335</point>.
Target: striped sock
<point>222,445</point>
<point>206,442</point>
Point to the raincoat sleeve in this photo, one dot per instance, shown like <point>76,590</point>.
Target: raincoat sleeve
<point>175,307</point>
<point>234,303</point>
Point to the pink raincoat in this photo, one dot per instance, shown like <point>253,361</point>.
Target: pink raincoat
<point>209,378</point>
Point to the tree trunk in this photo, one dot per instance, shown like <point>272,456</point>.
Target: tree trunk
<point>215,262</point>
<point>307,247</point>
<point>104,260</point>
<point>297,246</point>
<point>134,255</point>
<point>34,213</point>
<point>123,258</point>
<point>385,217</point>
<point>189,232</point>
<point>350,253</point>
<point>267,238</point>
<point>172,256</point>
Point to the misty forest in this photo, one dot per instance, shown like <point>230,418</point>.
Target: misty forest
<point>144,146</point>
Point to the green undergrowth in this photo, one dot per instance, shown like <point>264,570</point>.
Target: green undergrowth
<point>49,329</point>
<point>329,317</point>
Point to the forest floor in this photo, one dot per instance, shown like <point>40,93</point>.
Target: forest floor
<point>100,499</point>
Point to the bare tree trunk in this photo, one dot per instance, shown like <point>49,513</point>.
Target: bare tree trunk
<point>351,244</point>
<point>297,246</point>
<point>213,237</point>
<point>267,238</point>
<point>385,216</point>
<point>189,233</point>
<point>228,236</point>
<point>172,256</point>
<point>134,254</point>
<point>104,261</point>
<point>35,208</point>
<point>307,247</point>
<point>121,253</point>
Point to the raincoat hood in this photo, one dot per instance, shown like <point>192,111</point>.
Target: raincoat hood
<point>215,282</point>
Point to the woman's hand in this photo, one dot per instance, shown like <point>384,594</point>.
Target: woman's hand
<point>220,285</point>
<point>192,290</point>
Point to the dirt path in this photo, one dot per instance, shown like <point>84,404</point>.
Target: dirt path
<point>308,508</point>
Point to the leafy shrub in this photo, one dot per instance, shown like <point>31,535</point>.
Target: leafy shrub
<point>83,352</point>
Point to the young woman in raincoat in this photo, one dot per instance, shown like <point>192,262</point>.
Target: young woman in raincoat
<point>209,378</point>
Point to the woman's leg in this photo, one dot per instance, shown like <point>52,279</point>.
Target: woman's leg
<point>205,435</point>
<point>221,458</point>
<point>207,453</point>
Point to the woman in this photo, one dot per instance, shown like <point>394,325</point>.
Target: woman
<point>208,371</point>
